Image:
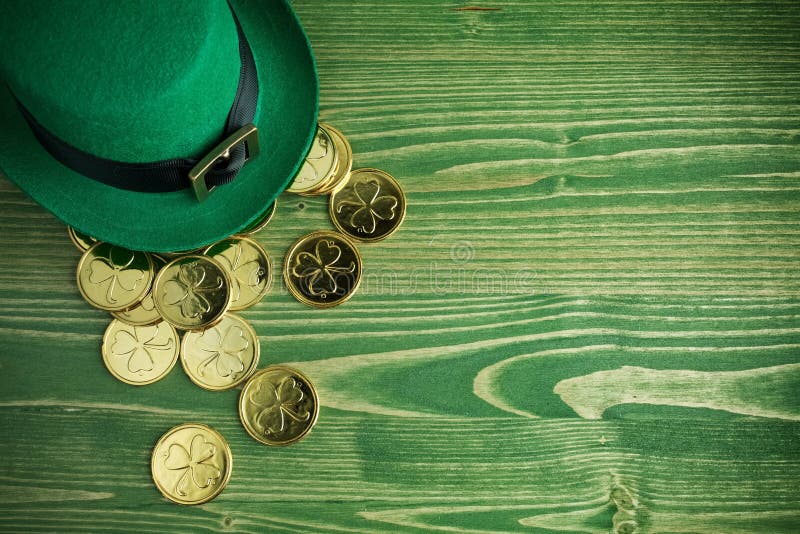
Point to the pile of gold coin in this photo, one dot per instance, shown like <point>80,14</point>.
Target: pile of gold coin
<point>324,268</point>
<point>152,299</point>
<point>180,306</point>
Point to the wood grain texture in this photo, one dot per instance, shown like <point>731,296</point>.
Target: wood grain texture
<point>589,321</point>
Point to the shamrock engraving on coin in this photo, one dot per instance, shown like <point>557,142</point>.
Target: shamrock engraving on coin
<point>344,160</point>
<point>278,405</point>
<point>319,165</point>
<point>322,269</point>
<point>113,278</point>
<point>369,206</point>
<point>81,241</point>
<point>261,221</point>
<point>223,356</point>
<point>144,313</point>
<point>248,268</point>
<point>192,292</point>
<point>139,355</point>
<point>191,464</point>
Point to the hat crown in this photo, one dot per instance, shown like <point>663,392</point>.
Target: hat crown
<point>132,81</point>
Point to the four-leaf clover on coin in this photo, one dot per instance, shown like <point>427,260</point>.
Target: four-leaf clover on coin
<point>137,346</point>
<point>249,274</point>
<point>319,270</point>
<point>370,207</point>
<point>189,290</point>
<point>116,269</point>
<point>196,462</point>
<point>225,350</point>
<point>276,403</point>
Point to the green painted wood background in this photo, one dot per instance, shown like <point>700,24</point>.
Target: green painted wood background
<point>588,322</point>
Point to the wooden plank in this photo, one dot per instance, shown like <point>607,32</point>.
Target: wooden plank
<point>588,322</point>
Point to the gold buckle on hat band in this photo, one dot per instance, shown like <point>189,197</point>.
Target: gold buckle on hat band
<point>247,134</point>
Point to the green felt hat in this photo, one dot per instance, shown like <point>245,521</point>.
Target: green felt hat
<point>142,81</point>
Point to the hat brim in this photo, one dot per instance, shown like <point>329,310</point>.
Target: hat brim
<point>163,222</point>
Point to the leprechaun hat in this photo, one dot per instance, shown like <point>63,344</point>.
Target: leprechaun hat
<point>110,110</point>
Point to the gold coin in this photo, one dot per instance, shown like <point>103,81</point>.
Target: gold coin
<point>144,313</point>
<point>261,221</point>
<point>139,355</point>
<point>191,464</point>
<point>113,278</point>
<point>322,269</point>
<point>344,160</point>
<point>192,292</point>
<point>319,165</point>
<point>222,356</point>
<point>248,268</point>
<point>369,206</point>
<point>81,241</point>
<point>278,405</point>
